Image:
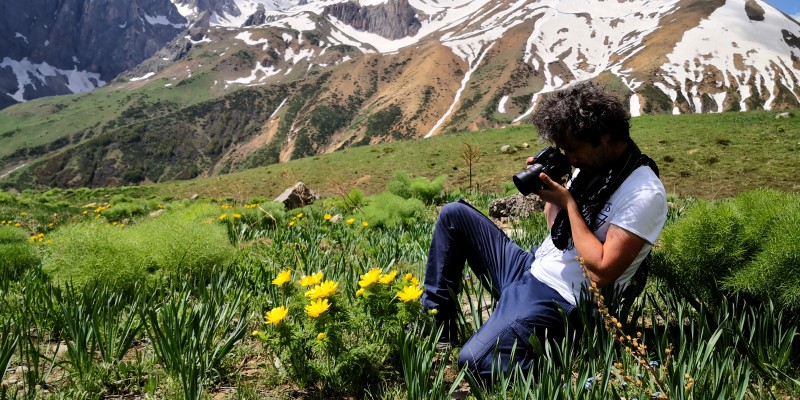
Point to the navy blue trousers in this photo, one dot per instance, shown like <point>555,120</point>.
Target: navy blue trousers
<point>525,305</point>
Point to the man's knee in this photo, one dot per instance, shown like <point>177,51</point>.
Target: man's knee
<point>454,210</point>
<point>468,360</point>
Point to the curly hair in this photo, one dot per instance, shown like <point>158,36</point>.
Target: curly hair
<point>583,111</point>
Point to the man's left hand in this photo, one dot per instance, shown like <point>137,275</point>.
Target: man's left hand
<point>553,192</point>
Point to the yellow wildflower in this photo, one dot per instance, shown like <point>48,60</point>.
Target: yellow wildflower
<point>370,277</point>
<point>223,216</point>
<point>85,212</point>
<point>300,215</point>
<point>388,278</point>
<point>311,280</point>
<point>409,293</point>
<point>277,314</point>
<point>365,224</point>
<point>317,307</point>
<point>360,292</point>
<point>17,225</point>
<point>291,223</point>
<point>237,216</point>
<point>327,217</point>
<point>256,333</point>
<point>23,214</point>
<point>323,290</point>
<point>283,277</point>
<point>350,221</point>
<point>321,336</point>
<point>411,279</point>
<point>432,312</point>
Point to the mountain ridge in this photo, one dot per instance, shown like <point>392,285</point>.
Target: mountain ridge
<point>315,84</point>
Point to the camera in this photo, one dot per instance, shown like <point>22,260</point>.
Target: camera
<point>550,161</point>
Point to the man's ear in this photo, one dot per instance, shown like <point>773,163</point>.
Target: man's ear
<point>605,140</point>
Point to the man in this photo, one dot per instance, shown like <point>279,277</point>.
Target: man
<point>611,216</point>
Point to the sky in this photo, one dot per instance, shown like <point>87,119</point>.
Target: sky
<point>791,7</point>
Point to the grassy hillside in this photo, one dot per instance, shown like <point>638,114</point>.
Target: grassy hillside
<point>707,156</point>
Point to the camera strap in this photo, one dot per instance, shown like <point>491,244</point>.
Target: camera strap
<point>591,192</point>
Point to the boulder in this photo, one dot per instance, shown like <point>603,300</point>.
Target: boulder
<point>297,196</point>
<point>515,206</point>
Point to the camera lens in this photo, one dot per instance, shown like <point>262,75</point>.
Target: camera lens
<point>527,181</point>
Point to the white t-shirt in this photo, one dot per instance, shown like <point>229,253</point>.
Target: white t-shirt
<point>639,206</point>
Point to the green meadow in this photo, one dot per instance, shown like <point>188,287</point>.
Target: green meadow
<point>142,293</point>
<point>708,156</point>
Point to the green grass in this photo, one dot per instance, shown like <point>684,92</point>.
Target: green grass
<point>184,334</point>
<point>707,156</point>
<point>42,121</point>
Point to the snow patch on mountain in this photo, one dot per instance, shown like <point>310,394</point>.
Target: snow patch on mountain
<point>701,51</point>
<point>34,74</point>
<point>162,20</point>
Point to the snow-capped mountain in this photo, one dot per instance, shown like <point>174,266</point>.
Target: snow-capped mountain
<point>253,82</point>
<point>704,56</point>
<point>72,46</point>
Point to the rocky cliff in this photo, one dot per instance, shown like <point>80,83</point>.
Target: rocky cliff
<point>70,46</point>
<point>394,19</point>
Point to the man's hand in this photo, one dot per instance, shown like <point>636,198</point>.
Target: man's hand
<point>553,192</point>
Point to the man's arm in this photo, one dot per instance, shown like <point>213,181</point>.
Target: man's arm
<point>605,262</point>
<point>550,212</point>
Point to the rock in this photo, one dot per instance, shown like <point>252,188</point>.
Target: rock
<point>297,196</point>
<point>157,212</point>
<point>336,218</point>
<point>515,206</point>
<point>525,145</point>
<point>394,19</point>
<point>784,115</point>
<point>194,197</point>
<point>505,148</point>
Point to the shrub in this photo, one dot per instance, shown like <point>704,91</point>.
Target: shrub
<point>747,244</point>
<point>118,211</point>
<point>401,185</point>
<point>388,209</point>
<point>180,241</point>
<point>420,187</point>
<point>6,197</point>
<point>351,201</point>
<point>16,253</point>
<point>185,240</point>
<point>775,267</point>
<point>94,250</point>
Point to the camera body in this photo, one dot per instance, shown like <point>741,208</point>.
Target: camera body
<point>548,160</point>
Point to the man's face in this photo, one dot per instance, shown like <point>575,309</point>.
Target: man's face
<point>585,155</point>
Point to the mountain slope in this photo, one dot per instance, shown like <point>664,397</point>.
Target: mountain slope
<point>309,78</point>
<point>59,47</point>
